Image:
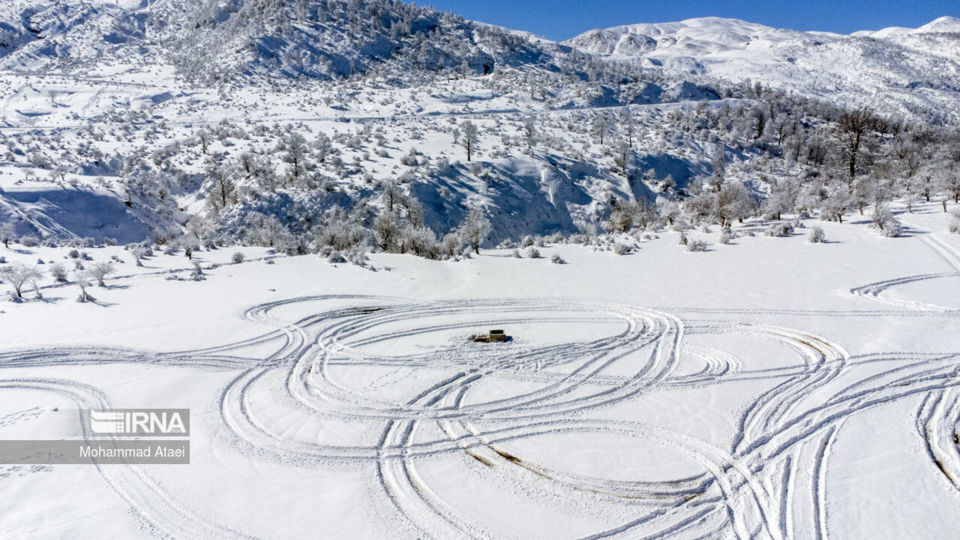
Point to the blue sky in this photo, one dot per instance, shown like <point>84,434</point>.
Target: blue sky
<point>563,19</point>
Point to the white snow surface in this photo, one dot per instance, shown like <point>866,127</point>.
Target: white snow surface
<point>810,392</point>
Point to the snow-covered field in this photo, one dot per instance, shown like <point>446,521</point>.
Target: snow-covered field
<point>771,388</point>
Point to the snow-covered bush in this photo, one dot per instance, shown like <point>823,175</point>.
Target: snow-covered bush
<point>622,249</point>
<point>886,223</point>
<point>28,240</point>
<point>955,223</point>
<point>450,244</point>
<point>73,254</point>
<point>557,259</point>
<point>197,273</point>
<point>726,236</point>
<point>237,257</point>
<point>683,238</point>
<point>99,271</point>
<point>58,272</point>
<point>779,230</point>
<point>697,245</point>
<point>357,255</point>
<point>816,235</point>
<point>533,253</point>
<point>138,254</point>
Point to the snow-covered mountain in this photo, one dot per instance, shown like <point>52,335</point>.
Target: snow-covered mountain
<point>126,119</point>
<point>895,69</point>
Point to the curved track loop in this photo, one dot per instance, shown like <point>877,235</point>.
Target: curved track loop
<point>482,405</point>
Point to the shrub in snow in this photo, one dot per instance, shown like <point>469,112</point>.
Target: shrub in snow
<point>3,260</point>
<point>29,240</point>
<point>705,229</point>
<point>197,273</point>
<point>73,254</point>
<point>451,244</point>
<point>697,245</point>
<point>335,257</point>
<point>138,254</point>
<point>683,238</point>
<point>533,253</point>
<point>237,258</point>
<point>954,225</point>
<point>99,271</point>
<point>171,250</point>
<point>621,249</point>
<point>527,241</point>
<point>779,230</point>
<point>58,272</point>
<point>817,236</point>
<point>107,241</point>
<point>886,223</point>
<point>516,253</point>
<point>358,255</point>
<point>18,276</point>
<point>557,259</point>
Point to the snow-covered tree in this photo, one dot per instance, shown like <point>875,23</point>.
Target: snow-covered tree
<point>469,135</point>
<point>601,125</point>
<point>734,202</point>
<point>475,228</point>
<point>222,186</point>
<point>19,275</point>
<point>838,203</point>
<point>719,166</point>
<point>782,199</point>
<point>530,131</point>
<point>851,129</point>
<point>7,234</point>
<point>386,231</point>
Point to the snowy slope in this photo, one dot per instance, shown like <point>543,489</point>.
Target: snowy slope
<point>896,69</point>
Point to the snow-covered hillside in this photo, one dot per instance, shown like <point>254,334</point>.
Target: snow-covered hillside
<point>911,71</point>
